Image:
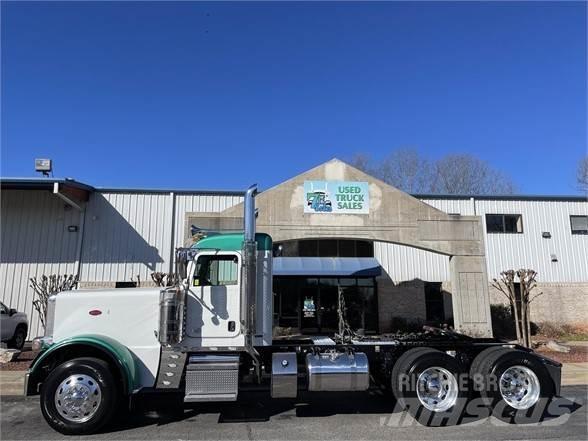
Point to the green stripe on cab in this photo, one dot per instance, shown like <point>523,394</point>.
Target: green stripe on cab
<point>233,242</point>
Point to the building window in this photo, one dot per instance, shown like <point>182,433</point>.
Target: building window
<point>125,284</point>
<point>579,224</point>
<point>504,223</point>
<point>324,248</point>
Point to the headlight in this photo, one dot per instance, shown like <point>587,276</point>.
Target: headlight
<point>41,343</point>
<point>50,319</point>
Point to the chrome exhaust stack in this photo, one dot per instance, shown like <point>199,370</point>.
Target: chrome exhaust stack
<point>249,276</point>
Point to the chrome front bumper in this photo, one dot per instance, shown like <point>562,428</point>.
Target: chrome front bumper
<point>26,384</point>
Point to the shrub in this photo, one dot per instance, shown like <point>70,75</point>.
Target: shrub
<point>503,322</point>
<point>556,330</point>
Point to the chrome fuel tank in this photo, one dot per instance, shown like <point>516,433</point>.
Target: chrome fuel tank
<point>338,371</point>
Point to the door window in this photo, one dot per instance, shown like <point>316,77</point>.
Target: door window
<point>215,270</point>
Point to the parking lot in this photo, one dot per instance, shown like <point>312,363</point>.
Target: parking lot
<point>324,416</point>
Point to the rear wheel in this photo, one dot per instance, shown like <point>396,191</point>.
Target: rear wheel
<point>516,384</point>
<point>431,386</point>
<point>478,380</point>
<point>79,396</point>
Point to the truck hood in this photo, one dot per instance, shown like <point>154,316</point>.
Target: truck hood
<point>117,313</point>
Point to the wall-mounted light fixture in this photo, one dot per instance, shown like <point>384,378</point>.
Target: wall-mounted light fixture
<point>44,166</point>
<point>554,258</point>
<point>546,235</point>
<point>72,228</point>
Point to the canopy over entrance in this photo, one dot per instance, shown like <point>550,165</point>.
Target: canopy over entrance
<point>327,266</point>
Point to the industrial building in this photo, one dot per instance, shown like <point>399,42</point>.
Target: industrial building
<point>395,256</point>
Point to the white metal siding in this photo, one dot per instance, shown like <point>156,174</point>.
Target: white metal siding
<point>529,249</point>
<point>465,207</point>
<point>193,203</point>
<point>35,241</point>
<point>403,263</point>
<point>129,234</point>
<point>503,251</point>
<point>126,234</point>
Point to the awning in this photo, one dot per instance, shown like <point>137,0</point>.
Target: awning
<point>327,266</point>
<point>74,193</point>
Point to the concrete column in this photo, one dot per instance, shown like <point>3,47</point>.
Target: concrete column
<point>471,305</point>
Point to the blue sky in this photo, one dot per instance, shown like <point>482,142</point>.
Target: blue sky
<point>221,95</point>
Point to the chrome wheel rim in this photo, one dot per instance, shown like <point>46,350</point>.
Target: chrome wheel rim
<point>437,389</point>
<point>519,387</point>
<point>77,398</point>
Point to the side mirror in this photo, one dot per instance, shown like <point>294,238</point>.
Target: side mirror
<point>12,311</point>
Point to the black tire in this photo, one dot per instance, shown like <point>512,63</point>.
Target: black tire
<point>99,371</point>
<point>405,376</point>
<point>18,339</point>
<point>494,366</point>
<point>477,378</point>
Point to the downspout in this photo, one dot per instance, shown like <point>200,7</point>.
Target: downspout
<point>82,211</point>
<point>78,266</point>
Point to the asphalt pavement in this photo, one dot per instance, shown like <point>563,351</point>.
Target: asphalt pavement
<point>349,416</point>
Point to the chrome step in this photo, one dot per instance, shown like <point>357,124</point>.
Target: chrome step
<point>212,378</point>
<point>171,367</point>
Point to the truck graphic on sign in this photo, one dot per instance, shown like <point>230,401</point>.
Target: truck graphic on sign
<point>319,201</point>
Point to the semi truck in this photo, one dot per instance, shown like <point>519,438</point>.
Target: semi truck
<point>210,338</point>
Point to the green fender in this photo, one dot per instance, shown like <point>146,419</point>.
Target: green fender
<point>118,353</point>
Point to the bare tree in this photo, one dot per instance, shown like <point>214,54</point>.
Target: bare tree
<point>46,286</point>
<point>164,279</point>
<point>362,162</point>
<point>404,169</point>
<point>466,174</point>
<point>408,171</point>
<point>582,174</point>
<point>520,300</point>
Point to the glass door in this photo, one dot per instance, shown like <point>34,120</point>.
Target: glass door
<point>309,299</point>
<point>328,306</point>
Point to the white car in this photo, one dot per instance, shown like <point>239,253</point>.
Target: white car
<point>13,326</point>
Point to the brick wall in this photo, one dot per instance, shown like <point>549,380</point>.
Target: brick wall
<point>560,302</point>
<point>405,300</point>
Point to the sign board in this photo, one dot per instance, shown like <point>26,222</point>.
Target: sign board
<point>308,307</point>
<point>341,197</point>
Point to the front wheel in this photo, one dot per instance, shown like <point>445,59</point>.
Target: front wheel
<point>79,396</point>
